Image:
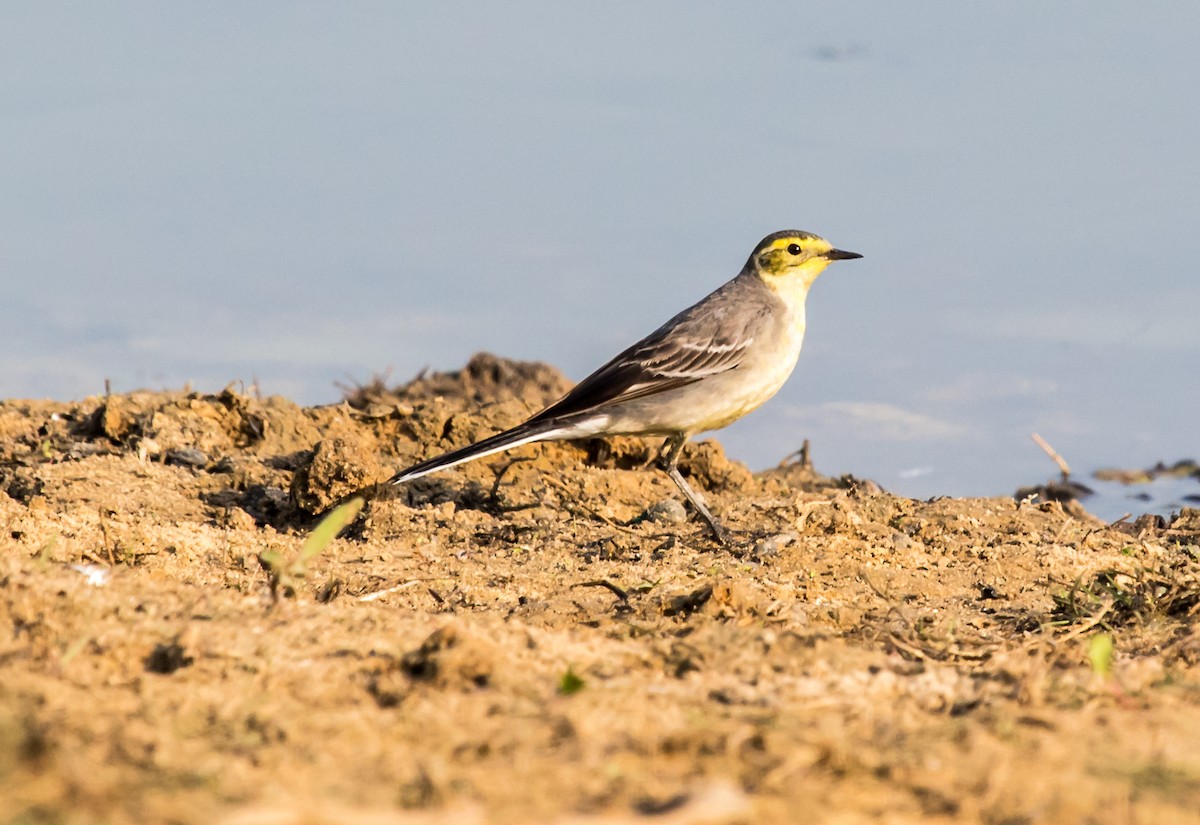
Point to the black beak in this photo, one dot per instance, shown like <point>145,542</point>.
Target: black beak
<point>840,255</point>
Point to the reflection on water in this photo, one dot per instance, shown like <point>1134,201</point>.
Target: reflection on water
<point>1111,501</point>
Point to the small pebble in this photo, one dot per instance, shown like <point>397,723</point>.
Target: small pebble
<point>84,449</point>
<point>667,511</point>
<point>773,544</point>
<point>94,574</point>
<point>187,457</point>
<point>225,464</point>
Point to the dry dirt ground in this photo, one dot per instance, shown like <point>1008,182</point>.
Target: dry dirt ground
<point>546,637</point>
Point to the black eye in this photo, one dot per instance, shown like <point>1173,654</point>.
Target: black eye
<point>794,248</point>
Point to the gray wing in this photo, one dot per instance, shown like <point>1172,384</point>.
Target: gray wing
<point>707,339</point>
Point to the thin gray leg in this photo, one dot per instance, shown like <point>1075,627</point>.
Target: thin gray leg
<point>670,459</point>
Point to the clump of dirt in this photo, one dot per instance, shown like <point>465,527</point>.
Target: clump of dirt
<point>549,635</point>
<point>448,658</point>
<point>342,463</point>
<point>486,379</point>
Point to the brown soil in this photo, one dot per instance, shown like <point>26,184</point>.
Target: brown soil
<point>544,637</point>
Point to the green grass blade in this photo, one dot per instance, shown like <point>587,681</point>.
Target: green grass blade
<point>327,530</point>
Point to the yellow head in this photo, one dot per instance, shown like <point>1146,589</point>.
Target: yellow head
<point>791,260</point>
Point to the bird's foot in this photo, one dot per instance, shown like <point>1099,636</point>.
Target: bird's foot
<point>723,535</point>
<point>751,543</point>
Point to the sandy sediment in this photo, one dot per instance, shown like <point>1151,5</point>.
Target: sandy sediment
<point>546,636</point>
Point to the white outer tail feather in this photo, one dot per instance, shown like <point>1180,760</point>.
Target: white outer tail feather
<point>434,465</point>
<point>526,433</point>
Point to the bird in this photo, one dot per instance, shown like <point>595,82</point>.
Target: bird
<point>706,367</point>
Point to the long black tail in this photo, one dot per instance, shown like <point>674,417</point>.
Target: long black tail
<point>518,435</point>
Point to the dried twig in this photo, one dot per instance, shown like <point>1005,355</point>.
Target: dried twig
<point>378,594</point>
<point>493,493</point>
<point>606,584</point>
<point>572,501</point>
<point>802,456</point>
<point>1050,451</point>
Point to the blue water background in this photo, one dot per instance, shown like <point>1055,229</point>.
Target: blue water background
<point>297,194</point>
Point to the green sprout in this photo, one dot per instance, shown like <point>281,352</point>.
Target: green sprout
<point>283,575</point>
<point>1100,654</point>
<point>571,682</point>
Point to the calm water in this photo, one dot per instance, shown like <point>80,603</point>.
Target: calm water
<point>300,194</point>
